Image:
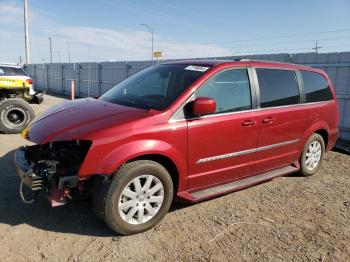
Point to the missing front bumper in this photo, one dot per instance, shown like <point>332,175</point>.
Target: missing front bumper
<point>57,192</point>
<point>31,180</point>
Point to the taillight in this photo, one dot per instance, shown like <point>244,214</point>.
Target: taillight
<point>29,81</point>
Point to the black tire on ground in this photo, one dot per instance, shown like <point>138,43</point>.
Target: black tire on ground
<point>304,170</point>
<point>120,180</point>
<point>15,115</point>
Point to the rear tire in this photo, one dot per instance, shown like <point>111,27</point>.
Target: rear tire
<point>312,155</point>
<point>139,195</point>
<point>15,115</point>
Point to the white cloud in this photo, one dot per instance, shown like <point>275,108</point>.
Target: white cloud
<point>86,43</point>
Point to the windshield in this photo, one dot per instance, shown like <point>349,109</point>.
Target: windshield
<point>155,87</point>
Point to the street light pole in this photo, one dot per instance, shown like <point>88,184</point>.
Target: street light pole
<point>68,47</point>
<point>26,33</point>
<point>151,31</point>
<point>50,39</point>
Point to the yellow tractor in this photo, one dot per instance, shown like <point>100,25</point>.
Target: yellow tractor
<point>16,92</point>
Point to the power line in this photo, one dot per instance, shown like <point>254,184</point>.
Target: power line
<point>253,45</point>
<point>284,50</point>
<point>183,10</point>
<point>277,37</point>
<point>234,48</point>
<point>136,57</point>
<point>291,42</point>
<point>154,13</point>
<point>10,10</point>
<point>269,44</point>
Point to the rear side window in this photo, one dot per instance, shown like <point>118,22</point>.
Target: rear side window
<point>20,72</point>
<point>11,71</point>
<point>277,87</point>
<point>316,87</point>
<point>230,90</point>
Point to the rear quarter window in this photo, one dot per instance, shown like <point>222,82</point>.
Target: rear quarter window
<point>316,87</point>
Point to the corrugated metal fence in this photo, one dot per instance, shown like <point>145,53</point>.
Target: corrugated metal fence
<point>94,79</point>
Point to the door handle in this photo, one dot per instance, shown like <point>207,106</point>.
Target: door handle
<point>248,123</point>
<point>267,120</point>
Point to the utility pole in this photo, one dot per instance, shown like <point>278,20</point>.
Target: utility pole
<point>50,40</point>
<point>151,31</point>
<point>26,33</point>
<point>316,47</point>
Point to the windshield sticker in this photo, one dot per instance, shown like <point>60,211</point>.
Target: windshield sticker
<point>197,68</point>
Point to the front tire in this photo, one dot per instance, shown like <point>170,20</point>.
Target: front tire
<point>15,115</point>
<point>312,155</point>
<point>139,196</point>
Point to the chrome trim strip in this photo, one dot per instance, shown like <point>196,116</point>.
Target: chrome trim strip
<point>244,152</point>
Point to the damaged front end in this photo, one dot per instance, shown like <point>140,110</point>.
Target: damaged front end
<point>52,168</point>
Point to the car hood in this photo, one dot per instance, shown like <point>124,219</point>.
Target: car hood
<point>79,118</point>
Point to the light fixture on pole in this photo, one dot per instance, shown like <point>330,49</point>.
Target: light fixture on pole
<point>151,31</point>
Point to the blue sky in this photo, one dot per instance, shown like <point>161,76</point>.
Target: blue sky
<point>102,30</point>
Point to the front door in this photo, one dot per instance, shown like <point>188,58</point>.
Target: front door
<point>221,145</point>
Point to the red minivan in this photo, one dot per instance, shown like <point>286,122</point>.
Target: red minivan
<point>188,130</point>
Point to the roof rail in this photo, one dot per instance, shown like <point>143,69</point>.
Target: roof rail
<point>9,65</point>
<point>242,59</point>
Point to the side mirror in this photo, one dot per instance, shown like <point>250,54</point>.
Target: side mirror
<point>203,106</point>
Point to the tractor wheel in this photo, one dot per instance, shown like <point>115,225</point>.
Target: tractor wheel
<point>15,115</point>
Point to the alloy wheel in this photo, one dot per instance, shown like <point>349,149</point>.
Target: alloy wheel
<point>141,199</point>
<point>313,155</point>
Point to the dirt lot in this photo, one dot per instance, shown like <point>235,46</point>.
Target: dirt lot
<point>291,218</point>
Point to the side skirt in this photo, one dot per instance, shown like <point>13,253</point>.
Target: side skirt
<point>242,183</point>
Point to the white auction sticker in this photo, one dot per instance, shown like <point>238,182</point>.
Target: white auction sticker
<point>197,68</point>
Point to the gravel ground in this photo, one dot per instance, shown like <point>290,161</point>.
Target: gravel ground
<point>291,218</point>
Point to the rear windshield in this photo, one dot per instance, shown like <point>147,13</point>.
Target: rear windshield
<point>316,87</point>
<point>12,71</point>
<point>155,87</point>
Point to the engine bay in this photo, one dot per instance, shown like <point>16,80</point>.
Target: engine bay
<point>53,168</point>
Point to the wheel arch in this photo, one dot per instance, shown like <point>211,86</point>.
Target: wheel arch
<point>159,151</point>
<point>324,134</point>
<point>165,161</point>
<point>319,127</point>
